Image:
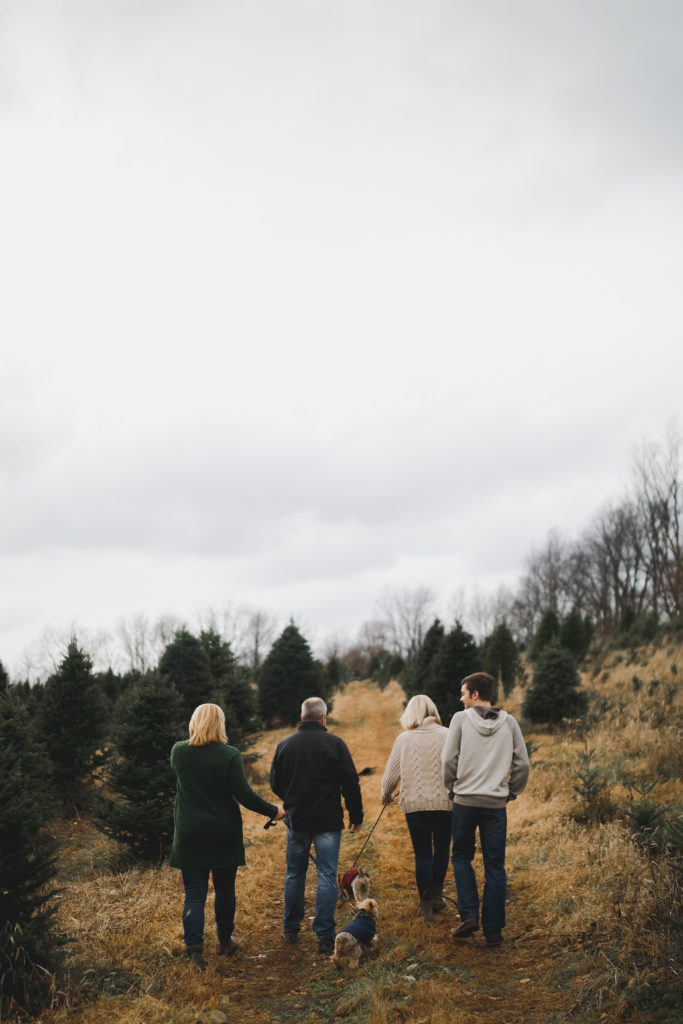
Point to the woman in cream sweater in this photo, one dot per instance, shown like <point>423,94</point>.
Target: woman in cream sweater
<point>415,762</point>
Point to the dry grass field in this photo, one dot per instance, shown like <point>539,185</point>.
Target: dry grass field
<point>591,934</point>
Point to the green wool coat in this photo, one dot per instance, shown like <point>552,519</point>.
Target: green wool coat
<point>211,785</point>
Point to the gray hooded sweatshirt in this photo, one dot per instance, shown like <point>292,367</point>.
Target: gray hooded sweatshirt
<point>485,761</point>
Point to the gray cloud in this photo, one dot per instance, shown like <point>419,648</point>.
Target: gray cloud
<point>301,300</point>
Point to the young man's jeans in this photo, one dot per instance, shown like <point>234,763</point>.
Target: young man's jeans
<point>430,832</point>
<point>196,882</point>
<point>326,846</point>
<point>492,825</point>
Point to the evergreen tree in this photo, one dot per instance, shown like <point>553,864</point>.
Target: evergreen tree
<point>289,675</point>
<point>138,813</point>
<point>186,664</point>
<point>457,657</point>
<point>548,630</point>
<point>335,673</point>
<point>233,690</point>
<point>390,668</point>
<point>4,680</point>
<point>500,657</point>
<point>554,693</point>
<point>73,713</point>
<point>415,676</point>
<point>575,634</point>
<point>27,864</point>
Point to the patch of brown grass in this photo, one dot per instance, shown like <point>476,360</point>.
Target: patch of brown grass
<point>589,933</point>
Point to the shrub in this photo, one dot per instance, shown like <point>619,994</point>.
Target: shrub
<point>288,676</point>
<point>554,693</point>
<point>139,812</point>
<point>27,867</point>
<point>591,789</point>
<point>73,714</point>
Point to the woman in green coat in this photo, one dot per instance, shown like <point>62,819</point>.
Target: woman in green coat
<point>207,837</point>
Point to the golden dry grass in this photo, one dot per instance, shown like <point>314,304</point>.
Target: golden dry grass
<point>587,937</point>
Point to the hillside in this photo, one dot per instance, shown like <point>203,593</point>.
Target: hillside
<point>590,933</point>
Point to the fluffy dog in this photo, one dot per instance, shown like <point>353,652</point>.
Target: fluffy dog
<point>354,884</point>
<point>360,932</point>
<point>360,886</point>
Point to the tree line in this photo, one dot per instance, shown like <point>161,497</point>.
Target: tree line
<point>99,741</point>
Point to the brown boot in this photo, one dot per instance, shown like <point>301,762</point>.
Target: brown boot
<point>426,910</point>
<point>195,955</point>
<point>438,902</point>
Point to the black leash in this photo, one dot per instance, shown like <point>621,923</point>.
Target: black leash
<point>384,806</point>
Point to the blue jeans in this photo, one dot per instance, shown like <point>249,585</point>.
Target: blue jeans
<point>430,832</point>
<point>326,845</point>
<point>492,825</point>
<point>196,883</point>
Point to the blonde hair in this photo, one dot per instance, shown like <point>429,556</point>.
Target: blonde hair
<point>207,725</point>
<point>417,709</point>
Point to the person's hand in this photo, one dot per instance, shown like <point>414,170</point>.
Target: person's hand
<point>388,799</point>
<point>354,828</point>
<point>281,813</point>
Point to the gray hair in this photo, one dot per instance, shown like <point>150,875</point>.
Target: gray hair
<point>313,709</point>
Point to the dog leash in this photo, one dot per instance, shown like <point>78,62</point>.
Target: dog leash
<point>322,874</point>
<point>384,806</point>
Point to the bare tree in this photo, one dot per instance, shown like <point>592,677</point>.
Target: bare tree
<point>373,639</point>
<point>135,638</point>
<point>257,639</point>
<point>658,499</point>
<point>334,645</point>
<point>406,614</point>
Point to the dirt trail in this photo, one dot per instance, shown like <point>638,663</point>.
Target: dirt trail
<point>419,973</point>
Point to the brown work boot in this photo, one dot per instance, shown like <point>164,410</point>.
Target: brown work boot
<point>438,902</point>
<point>195,955</point>
<point>426,910</point>
<point>227,947</point>
<point>466,928</point>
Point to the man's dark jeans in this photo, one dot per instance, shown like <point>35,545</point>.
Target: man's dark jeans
<point>430,832</point>
<point>492,825</point>
<point>196,883</point>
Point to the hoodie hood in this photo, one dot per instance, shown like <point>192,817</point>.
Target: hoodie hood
<point>486,726</point>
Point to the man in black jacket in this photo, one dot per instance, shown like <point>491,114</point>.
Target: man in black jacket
<point>311,771</point>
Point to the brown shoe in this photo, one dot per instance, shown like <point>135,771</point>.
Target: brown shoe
<point>426,910</point>
<point>438,902</point>
<point>228,947</point>
<point>195,955</point>
<point>466,928</point>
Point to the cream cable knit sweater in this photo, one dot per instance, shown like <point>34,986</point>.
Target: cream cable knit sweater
<point>415,762</point>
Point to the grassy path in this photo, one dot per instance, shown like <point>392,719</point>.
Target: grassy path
<point>128,940</point>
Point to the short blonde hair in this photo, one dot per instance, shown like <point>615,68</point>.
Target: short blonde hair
<point>417,709</point>
<point>207,725</point>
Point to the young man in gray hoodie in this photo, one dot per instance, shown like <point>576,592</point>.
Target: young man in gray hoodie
<point>485,764</point>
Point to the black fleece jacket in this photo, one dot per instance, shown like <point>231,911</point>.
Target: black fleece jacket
<point>311,770</point>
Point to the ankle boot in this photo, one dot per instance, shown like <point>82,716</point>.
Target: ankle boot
<point>426,910</point>
<point>438,902</point>
<point>195,955</point>
<point>226,947</point>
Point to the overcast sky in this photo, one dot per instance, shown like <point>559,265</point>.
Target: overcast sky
<point>302,300</point>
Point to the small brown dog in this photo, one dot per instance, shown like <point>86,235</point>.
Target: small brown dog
<point>360,886</point>
<point>351,940</point>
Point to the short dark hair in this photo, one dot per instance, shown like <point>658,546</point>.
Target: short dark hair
<point>481,683</point>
